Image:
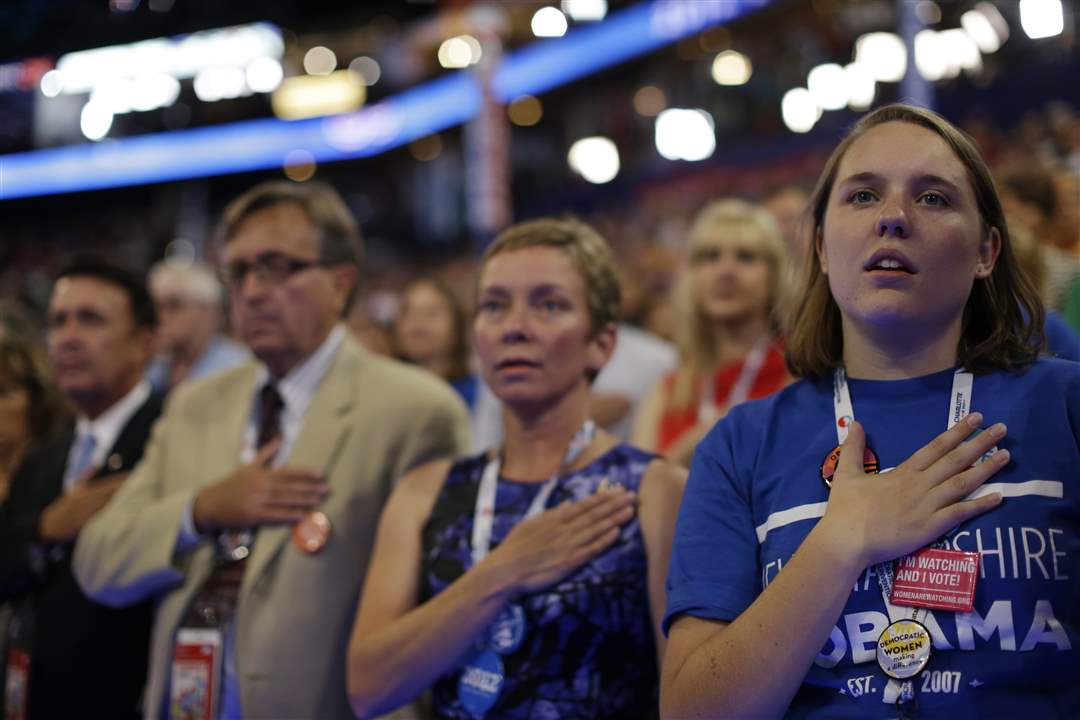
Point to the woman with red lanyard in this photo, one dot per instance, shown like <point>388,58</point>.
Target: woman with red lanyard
<point>897,534</point>
<point>526,582</point>
<point>728,348</point>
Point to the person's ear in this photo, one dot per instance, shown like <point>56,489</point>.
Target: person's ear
<point>343,279</point>
<point>989,250</point>
<point>601,347</point>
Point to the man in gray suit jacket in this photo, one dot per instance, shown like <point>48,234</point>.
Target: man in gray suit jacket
<point>351,423</point>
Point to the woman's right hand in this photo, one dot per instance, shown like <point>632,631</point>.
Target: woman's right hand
<point>876,518</point>
<point>542,550</point>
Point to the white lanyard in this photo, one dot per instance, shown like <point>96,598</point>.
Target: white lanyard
<point>708,410</point>
<point>959,406</point>
<point>489,480</point>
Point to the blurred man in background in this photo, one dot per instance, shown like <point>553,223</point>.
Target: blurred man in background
<point>253,514</point>
<point>69,656</point>
<point>190,343</point>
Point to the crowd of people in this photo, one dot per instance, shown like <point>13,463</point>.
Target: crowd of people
<point>565,488</point>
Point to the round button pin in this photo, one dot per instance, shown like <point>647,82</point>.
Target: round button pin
<point>828,465</point>
<point>903,649</point>
<point>311,533</point>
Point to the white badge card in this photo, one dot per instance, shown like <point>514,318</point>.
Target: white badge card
<point>196,674</point>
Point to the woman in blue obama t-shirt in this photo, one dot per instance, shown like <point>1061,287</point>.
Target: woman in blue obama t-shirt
<point>917,363</point>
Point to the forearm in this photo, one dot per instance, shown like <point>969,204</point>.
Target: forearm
<point>127,551</point>
<point>754,666</point>
<point>390,665</point>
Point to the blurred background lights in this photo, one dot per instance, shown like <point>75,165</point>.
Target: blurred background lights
<point>320,60</point>
<point>304,96</point>
<point>455,53</point>
<point>860,85</point>
<point>299,165</point>
<point>525,111</point>
<point>95,121</point>
<point>731,68</point>
<point>264,74</point>
<point>52,83</point>
<point>585,10</point>
<point>367,69</point>
<point>928,12</point>
<point>994,17</point>
<point>183,57</point>
<point>931,58</point>
<point>685,134</point>
<point>944,54</point>
<point>1041,18</point>
<point>961,50</point>
<point>883,55</point>
<point>548,22</point>
<point>649,101</point>
<point>828,84</point>
<point>594,158</point>
<point>799,110</point>
<point>149,92</point>
<point>220,83</point>
<point>475,50</point>
<point>114,95</point>
<point>980,30</point>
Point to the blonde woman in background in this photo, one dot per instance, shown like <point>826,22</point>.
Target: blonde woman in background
<point>728,347</point>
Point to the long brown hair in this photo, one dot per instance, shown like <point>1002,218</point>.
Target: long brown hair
<point>1003,317</point>
<point>23,365</point>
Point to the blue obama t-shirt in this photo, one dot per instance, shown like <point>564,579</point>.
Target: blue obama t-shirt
<point>755,491</point>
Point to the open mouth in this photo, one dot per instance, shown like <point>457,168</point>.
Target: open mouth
<point>890,262</point>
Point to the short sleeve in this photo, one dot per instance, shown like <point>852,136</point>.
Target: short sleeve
<point>714,567</point>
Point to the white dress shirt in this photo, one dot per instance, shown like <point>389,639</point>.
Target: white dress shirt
<point>105,428</point>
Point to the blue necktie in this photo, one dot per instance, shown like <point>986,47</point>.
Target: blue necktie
<point>85,453</point>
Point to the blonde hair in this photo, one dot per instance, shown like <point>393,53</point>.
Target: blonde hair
<point>696,333</point>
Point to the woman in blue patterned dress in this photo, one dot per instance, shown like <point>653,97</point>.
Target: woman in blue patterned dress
<point>527,582</point>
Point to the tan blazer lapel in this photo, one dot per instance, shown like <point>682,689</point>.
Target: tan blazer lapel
<point>318,446</point>
<point>224,429</point>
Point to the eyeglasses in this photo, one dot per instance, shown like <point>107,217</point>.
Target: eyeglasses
<point>272,269</point>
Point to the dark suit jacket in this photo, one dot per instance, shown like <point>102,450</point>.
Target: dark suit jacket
<point>88,660</point>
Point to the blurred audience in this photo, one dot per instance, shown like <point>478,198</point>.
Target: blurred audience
<point>1029,196</point>
<point>16,319</point>
<point>432,331</point>
<point>729,350</point>
<point>789,206</point>
<point>189,343</point>
<point>368,329</point>
<point>1061,339</point>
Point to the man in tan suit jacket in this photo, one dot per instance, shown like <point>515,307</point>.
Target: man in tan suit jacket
<point>352,424</point>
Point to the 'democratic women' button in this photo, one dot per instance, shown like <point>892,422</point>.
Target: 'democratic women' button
<point>481,682</point>
<point>903,649</point>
